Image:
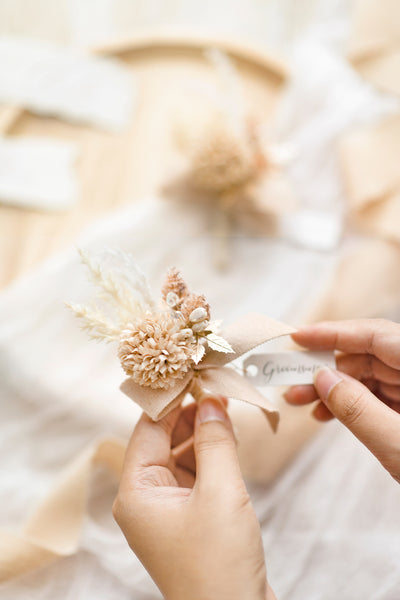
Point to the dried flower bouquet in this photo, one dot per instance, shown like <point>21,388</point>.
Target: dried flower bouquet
<point>171,348</point>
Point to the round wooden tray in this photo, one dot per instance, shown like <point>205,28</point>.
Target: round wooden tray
<point>118,169</point>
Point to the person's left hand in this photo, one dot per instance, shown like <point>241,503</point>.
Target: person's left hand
<point>189,518</point>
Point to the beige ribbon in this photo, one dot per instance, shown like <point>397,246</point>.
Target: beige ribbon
<point>212,374</point>
<point>370,157</point>
<point>53,530</point>
<point>375,43</point>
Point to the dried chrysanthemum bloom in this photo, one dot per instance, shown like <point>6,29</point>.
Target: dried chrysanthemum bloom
<point>223,160</point>
<point>156,351</point>
<point>174,289</point>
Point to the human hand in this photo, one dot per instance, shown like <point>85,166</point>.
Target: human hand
<point>188,516</point>
<point>364,394</point>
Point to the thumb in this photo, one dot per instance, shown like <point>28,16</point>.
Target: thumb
<point>375,424</point>
<point>215,446</point>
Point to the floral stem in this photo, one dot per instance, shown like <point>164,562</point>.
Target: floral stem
<point>196,390</point>
<point>222,244</point>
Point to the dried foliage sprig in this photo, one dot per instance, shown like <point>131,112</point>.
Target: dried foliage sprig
<point>116,290</point>
<point>98,326</point>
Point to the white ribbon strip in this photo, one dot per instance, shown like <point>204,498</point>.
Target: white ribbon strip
<point>52,80</point>
<point>38,173</point>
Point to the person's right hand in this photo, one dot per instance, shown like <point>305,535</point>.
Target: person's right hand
<point>365,393</point>
<point>186,513</point>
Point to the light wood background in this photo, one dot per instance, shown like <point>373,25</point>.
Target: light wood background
<point>116,170</point>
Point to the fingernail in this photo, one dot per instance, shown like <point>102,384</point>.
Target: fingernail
<point>211,409</point>
<point>325,379</point>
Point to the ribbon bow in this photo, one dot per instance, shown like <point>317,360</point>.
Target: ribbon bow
<point>213,375</point>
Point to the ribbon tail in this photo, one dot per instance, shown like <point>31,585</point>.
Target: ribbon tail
<point>156,403</point>
<point>53,531</point>
<point>245,334</point>
<point>229,383</point>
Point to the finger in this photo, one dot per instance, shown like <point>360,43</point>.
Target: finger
<point>366,366</point>
<point>322,412</point>
<point>392,404</point>
<point>183,451</point>
<point>371,384</point>
<point>150,443</point>
<point>390,391</point>
<point>217,464</point>
<point>184,477</point>
<point>370,336</point>
<point>187,459</point>
<point>375,424</point>
<point>185,424</point>
<point>300,394</point>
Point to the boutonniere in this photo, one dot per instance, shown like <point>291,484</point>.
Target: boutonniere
<point>172,347</point>
<point>230,165</point>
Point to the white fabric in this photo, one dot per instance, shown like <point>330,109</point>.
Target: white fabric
<point>271,24</point>
<point>52,80</point>
<point>38,173</point>
<point>322,522</point>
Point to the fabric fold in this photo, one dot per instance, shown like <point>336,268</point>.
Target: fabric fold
<point>54,528</point>
<point>370,159</point>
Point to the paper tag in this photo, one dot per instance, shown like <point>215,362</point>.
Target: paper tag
<point>286,368</point>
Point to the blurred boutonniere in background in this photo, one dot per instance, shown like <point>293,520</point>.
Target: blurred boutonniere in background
<point>230,167</point>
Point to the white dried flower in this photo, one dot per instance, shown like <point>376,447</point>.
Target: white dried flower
<point>156,351</point>
<point>201,326</point>
<point>198,314</point>
<point>172,299</point>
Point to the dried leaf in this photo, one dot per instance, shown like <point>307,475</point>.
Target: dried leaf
<point>198,353</point>
<point>216,342</point>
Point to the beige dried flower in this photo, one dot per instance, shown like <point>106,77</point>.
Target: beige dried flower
<point>223,161</point>
<point>156,351</point>
<point>193,302</point>
<point>174,289</point>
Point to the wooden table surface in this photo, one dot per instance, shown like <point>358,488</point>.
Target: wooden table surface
<point>116,170</point>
